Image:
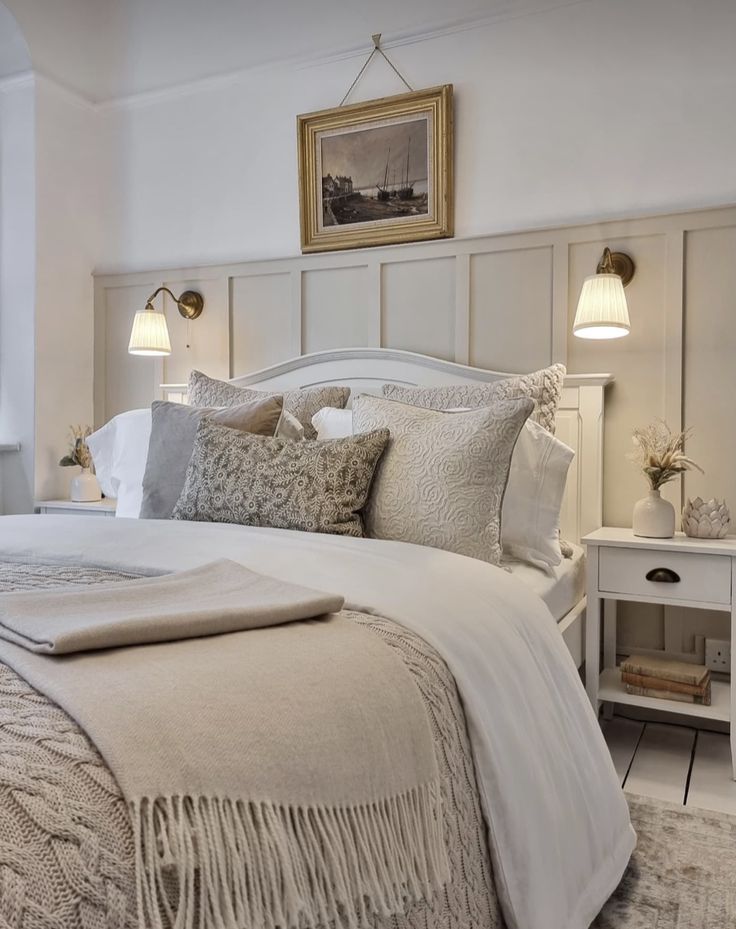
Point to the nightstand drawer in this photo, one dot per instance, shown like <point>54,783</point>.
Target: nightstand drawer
<point>683,576</point>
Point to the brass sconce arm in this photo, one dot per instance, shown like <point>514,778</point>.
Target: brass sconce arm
<point>190,303</point>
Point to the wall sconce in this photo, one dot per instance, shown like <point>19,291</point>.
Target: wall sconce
<point>150,334</point>
<point>602,309</point>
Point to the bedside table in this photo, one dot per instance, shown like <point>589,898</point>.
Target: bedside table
<point>104,507</point>
<point>681,571</point>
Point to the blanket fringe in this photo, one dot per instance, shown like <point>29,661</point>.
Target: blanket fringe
<point>204,862</point>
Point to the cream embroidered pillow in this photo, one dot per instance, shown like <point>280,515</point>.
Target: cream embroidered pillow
<point>238,477</point>
<point>543,387</point>
<point>302,403</point>
<point>442,479</point>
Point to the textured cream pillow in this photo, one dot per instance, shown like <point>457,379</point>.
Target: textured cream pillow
<point>442,478</point>
<point>302,403</point>
<point>544,387</point>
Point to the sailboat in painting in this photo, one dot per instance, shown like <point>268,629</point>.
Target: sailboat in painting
<point>383,192</point>
<point>406,191</point>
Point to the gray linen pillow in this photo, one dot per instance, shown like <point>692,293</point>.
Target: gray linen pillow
<point>173,430</point>
<point>234,477</point>
<point>302,403</point>
<point>544,387</point>
<point>443,476</point>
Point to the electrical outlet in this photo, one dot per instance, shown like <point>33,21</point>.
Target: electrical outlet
<point>718,655</point>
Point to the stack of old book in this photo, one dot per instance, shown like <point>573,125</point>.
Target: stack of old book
<point>665,679</point>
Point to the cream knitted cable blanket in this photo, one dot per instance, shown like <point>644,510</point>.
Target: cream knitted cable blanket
<point>282,776</point>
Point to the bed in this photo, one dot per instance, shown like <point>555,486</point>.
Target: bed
<point>534,827</point>
<point>579,423</point>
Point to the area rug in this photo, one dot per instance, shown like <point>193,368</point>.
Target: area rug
<point>682,874</point>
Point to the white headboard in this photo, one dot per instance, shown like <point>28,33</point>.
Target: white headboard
<point>364,370</point>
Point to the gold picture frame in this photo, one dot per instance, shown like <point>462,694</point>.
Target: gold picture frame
<point>377,173</point>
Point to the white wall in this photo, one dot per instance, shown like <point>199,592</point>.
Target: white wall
<point>589,111</point>
<point>17,291</point>
<point>48,233</point>
<point>67,232</point>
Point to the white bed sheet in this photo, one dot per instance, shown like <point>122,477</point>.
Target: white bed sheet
<point>561,587</point>
<point>558,823</point>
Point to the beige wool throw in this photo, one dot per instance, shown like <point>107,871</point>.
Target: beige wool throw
<point>215,598</point>
<point>281,776</point>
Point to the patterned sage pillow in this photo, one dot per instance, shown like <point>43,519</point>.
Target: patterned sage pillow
<point>302,403</point>
<point>544,387</point>
<point>238,477</point>
<point>442,479</point>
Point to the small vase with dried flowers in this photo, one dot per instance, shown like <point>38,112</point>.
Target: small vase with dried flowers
<point>660,453</point>
<point>84,488</point>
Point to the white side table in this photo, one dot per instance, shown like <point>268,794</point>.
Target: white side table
<point>104,507</point>
<point>697,573</point>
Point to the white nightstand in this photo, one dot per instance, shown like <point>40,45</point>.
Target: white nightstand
<point>697,573</point>
<point>104,507</point>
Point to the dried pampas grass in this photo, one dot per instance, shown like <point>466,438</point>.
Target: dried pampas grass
<point>660,453</point>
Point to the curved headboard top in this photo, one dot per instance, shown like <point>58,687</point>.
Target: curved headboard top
<point>367,368</point>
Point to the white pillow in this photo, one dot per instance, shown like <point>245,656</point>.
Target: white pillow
<point>119,451</point>
<point>530,518</point>
<point>332,423</point>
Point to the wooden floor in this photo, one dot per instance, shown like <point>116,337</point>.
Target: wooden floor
<point>673,763</point>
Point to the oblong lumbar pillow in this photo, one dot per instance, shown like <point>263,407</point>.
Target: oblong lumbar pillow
<point>442,479</point>
<point>235,477</point>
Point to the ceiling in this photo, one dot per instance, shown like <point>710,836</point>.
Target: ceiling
<point>105,49</point>
<point>14,57</point>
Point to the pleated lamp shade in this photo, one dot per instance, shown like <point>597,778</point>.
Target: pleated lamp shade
<point>602,309</point>
<point>150,335</point>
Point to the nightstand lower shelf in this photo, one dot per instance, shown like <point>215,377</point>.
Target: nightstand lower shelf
<point>612,690</point>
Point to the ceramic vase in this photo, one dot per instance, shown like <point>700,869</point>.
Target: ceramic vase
<point>654,518</point>
<point>85,488</point>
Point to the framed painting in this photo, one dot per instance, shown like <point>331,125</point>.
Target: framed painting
<point>377,173</point>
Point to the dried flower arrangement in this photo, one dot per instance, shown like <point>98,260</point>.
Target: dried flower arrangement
<point>79,453</point>
<point>660,454</point>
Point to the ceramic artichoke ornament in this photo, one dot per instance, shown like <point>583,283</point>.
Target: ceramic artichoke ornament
<point>706,519</point>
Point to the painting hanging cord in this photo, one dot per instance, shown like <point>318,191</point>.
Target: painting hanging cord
<point>376,49</point>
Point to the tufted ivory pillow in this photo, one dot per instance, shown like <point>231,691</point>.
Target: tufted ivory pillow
<point>302,403</point>
<point>443,476</point>
<point>237,477</point>
<point>543,387</point>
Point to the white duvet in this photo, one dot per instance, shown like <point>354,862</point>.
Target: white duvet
<point>558,822</point>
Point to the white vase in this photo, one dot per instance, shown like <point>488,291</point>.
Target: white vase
<point>85,488</point>
<point>654,518</point>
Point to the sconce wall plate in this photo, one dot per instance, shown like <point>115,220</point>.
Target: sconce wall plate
<point>617,263</point>
<point>190,304</point>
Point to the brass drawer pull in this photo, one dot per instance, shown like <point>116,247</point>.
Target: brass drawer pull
<point>663,576</point>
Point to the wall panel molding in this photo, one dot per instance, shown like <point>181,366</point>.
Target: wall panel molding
<point>502,302</point>
<point>485,300</point>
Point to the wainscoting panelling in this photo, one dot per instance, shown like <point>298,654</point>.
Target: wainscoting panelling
<point>418,306</point>
<point>261,320</point>
<point>511,309</point>
<point>336,310</point>
<point>501,302</point>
